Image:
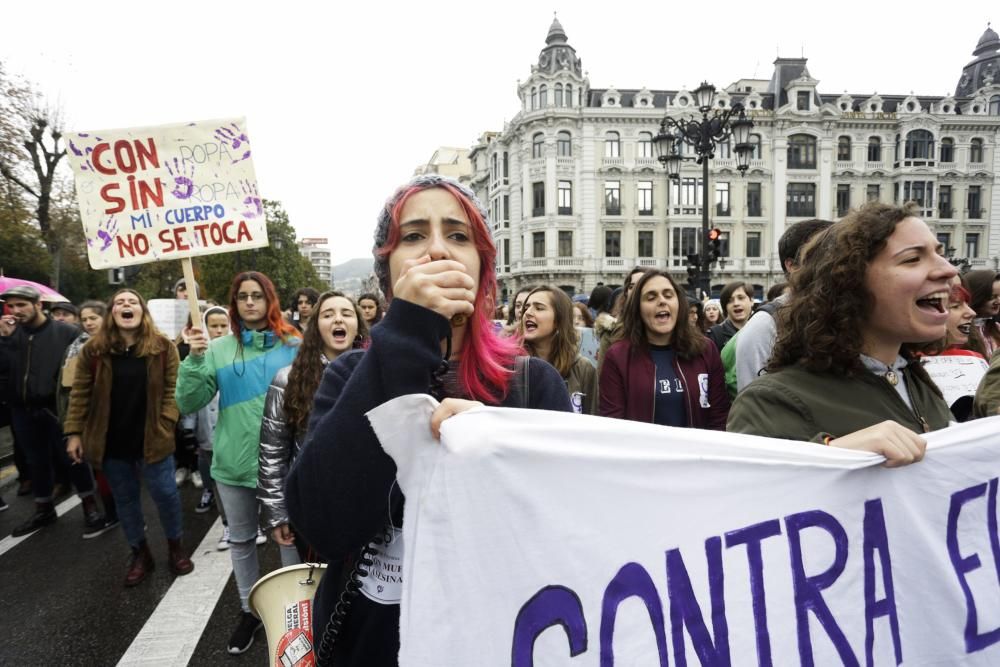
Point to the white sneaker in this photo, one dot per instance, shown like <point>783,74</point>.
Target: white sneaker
<point>180,476</point>
<point>196,479</point>
<point>261,537</point>
<point>223,544</point>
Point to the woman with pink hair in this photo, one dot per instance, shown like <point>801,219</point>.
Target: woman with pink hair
<point>435,260</point>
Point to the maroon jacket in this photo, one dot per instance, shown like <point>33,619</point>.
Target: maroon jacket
<point>628,381</point>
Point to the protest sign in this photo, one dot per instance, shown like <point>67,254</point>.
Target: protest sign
<point>169,315</point>
<point>589,344</point>
<point>167,192</point>
<point>956,376</point>
<point>532,537</point>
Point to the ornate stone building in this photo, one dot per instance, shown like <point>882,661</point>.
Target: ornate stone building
<point>577,196</point>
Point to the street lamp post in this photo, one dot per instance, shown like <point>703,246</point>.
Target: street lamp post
<point>703,135</point>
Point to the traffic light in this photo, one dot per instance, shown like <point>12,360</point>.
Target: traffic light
<point>715,244</point>
<point>694,270</point>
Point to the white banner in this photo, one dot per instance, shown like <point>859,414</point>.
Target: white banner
<point>535,536</point>
<point>957,376</point>
<point>166,192</point>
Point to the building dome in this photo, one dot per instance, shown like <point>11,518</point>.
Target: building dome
<point>984,70</point>
<point>558,55</point>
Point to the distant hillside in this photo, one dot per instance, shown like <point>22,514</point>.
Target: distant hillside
<point>352,269</point>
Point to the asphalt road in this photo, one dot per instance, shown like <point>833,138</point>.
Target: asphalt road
<point>63,602</point>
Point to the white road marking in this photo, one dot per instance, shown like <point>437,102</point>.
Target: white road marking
<point>173,630</point>
<point>9,542</point>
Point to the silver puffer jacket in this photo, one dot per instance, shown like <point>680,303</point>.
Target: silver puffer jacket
<point>278,446</point>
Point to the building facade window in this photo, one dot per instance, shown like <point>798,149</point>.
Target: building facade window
<point>534,98</point>
<point>564,144</point>
<point>800,200</point>
<point>755,153</point>
<point>569,95</point>
<point>976,150</point>
<point>612,198</point>
<point>565,243</point>
<point>947,150</point>
<point>844,149</point>
<point>972,245</point>
<point>921,193</point>
<point>537,145</point>
<point>801,151</point>
<point>944,202</point>
<point>645,197</point>
<point>506,167</point>
<point>802,100</point>
<point>612,243</point>
<point>538,244</point>
<point>543,96</point>
<point>753,244</point>
<point>843,199</point>
<point>994,109</point>
<point>874,149</point>
<point>944,238</point>
<point>537,199</point>
<point>722,199</point>
<point>506,255</point>
<point>559,95</point>
<point>872,192</point>
<point>975,202</point>
<point>565,198</point>
<point>645,145</point>
<point>685,241</point>
<point>723,150</point>
<point>919,145</point>
<point>493,168</point>
<point>645,243</point>
<point>612,145</point>
<point>754,209</point>
<point>724,244</point>
<point>506,210</point>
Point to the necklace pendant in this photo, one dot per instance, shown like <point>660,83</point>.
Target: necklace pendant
<point>891,377</point>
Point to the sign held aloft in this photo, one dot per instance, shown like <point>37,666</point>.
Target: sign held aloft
<point>168,192</point>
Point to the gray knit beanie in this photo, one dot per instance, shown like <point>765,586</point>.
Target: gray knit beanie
<point>385,219</point>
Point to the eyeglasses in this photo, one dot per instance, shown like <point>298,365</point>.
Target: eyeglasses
<point>252,296</point>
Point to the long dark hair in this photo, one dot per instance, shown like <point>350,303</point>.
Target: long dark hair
<point>371,296</point>
<point>685,340</point>
<point>109,339</point>
<point>307,369</point>
<point>821,326</point>
<point>565,339</point>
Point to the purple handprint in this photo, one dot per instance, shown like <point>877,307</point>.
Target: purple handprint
<point>252,200</point>
<point>183,180</point>
<point>84,153</point>
<point>106,233</point>
<point>235,138</point>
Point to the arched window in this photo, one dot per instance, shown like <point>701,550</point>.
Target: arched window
<point>874,149</point>
<point>537,143</point>
<point>534,98</point>
<point>755,153</point>
<point>543,96</point>
<point>947,150</point>
<point>559,94</point>
<point>919,145</point>
<point>801,151</point>
<point>723,150</point>
<point>844,149</point>
<point>645,144</point>
<point>995,105</point>
<point>564,142</point>
<point>976,150</point>
<point>569,95</point>
<point>612,145</point>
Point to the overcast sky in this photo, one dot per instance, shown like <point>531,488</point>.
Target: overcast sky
<point>344,100</point>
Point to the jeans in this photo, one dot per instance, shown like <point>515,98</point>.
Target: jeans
<point>241,508</point>
<point>123,477</point>
<point>205,468</point>
<point>38,431</point>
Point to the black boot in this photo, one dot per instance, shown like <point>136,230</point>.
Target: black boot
<point>45,513</point>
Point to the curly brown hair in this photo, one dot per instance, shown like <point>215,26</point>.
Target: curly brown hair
<point>686,340</point>
<point>821,327</point>
<point>307,369</point>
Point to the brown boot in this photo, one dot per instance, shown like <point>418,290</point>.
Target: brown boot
<point>139,565</point>
<point>177,556</point>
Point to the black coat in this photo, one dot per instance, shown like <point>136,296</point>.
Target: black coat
<point>33,360</point>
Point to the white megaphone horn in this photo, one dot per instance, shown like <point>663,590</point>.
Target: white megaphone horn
<point>283,600</point>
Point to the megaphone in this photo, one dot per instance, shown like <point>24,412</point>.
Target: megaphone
<point>283,601</point>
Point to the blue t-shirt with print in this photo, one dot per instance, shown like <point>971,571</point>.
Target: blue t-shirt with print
<point>669,408</point>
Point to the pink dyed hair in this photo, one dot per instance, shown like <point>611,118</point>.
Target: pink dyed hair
<point>487,359</point>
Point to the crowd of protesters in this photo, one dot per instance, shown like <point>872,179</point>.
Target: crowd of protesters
<point>264,409</point>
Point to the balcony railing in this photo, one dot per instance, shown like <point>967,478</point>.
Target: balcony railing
<point>872,166</point>
<point>977,213</point>
<point>945,212</point>
<point>977,166</point>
